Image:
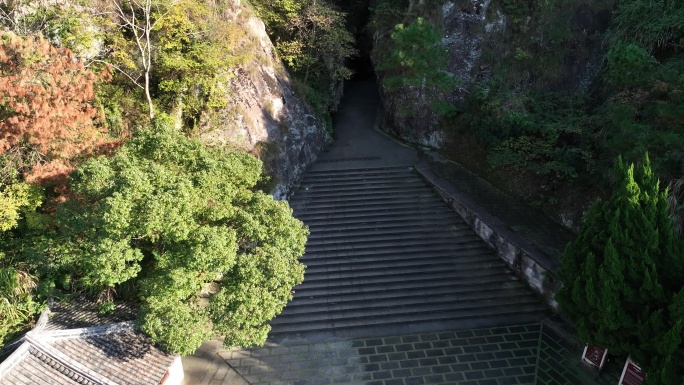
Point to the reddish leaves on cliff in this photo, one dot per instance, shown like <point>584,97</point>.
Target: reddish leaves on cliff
<point>46,119</point>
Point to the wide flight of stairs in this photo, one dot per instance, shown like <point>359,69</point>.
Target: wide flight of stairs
<point>387,256</point>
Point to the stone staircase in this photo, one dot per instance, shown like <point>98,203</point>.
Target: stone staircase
<point>387,257</point>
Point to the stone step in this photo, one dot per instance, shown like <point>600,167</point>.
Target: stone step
<point>359,184</point>
<point>412,289</point>
<point>325,237</point>
<point>385,252</point>
<point>363,207</point>
<point>361,193</point>
<point>501,281</point>
<point>364,272</point>
<point>380,218</point>
<point>333,228</point>
<point>408,324</point>
<point>378,201</point>
<point>467,256</point>
<point>398,275</point>
<point>328,320</point>
<point>358,171</point>
<point>314,201</point>
<point>372,242</point>
<point>355,177</point>
<point>372,211</point>
<point>405,299</point>
<point>353,264</point>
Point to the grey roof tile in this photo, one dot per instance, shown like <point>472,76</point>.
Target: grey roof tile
<point>80,313</point>
<point>125,356</point>
<point>79,346</point>
<point>37,369</point>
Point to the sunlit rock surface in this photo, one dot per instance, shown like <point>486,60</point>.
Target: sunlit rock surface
<point>264,115</point>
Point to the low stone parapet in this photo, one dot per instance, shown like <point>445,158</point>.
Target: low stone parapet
<point>530,263</point>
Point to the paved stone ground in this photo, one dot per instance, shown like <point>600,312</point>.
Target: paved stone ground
<point>527,354</point>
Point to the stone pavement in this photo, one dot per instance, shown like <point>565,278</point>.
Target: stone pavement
<point>523,354</point>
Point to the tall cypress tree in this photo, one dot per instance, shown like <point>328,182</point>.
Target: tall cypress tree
<point>624,276</point>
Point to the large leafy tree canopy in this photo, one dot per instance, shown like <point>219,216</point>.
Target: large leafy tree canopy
<point>180,223</point>
<point>624,276</point>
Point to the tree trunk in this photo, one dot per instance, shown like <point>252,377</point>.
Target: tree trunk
<point>147,94</point>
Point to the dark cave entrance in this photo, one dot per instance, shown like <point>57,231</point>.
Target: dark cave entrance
<point>358,19</point>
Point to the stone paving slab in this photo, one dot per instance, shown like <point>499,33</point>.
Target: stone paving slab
<point>559,360</point>
<point>528,354</point>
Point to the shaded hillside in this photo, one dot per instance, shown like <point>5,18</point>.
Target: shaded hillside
<point>547,94</point>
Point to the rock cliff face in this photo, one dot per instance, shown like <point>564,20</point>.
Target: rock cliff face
<point>479,36</point>
<point>265,116</point>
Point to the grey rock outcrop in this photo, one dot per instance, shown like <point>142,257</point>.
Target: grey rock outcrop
<point>265,116</point>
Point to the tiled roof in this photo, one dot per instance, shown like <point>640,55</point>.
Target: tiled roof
<point>34,367</point>
<point>109,354</point>
<point>82,313</point>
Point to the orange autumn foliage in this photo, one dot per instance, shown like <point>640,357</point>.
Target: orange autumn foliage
<point>46,117</point>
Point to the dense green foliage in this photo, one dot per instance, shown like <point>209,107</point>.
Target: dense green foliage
<point>182,230</point>
<point>624,276</point>
<point>197,50</point>
<point>539,132</point>
<point>646,109</point>
<point>18,306</point>
<point>560,88</point>
<point>312,40</point>
<point>18,202</point>
<point>651,24</point>
<point>194,45</point>
<point>527,113</point>
<point>177,222</point>
<point>637,104</point>
<point>417,61</point>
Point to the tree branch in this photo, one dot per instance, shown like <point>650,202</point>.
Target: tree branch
<point>119,69</point>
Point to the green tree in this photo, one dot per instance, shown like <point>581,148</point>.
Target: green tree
<point>312,40</point>
<point>277,14</point>
<point>319,43</point>
<point>18,305</point>
<point>624,276</point>
<point>418,60</point>
<point>646,107</point>
<point>197,48</point>
<point>652,24</point>
<point>184,225</point>
<point>644,84</point>
<point>17,200</point>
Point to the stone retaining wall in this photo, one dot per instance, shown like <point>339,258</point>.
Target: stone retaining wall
<point>527,261</point>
